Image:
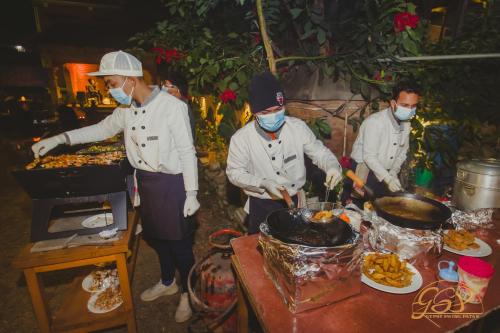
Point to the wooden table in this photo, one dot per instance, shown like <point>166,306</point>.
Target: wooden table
<point>73,315</point>
<point>370,311</point>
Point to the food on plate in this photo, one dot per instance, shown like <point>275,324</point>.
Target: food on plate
<point>460,240</point>
<point>387,269</point>
<point>67,160</point>
<point>102,279</point>
<point>109,298</point>
<point>367,206</point>
<point>101,149</point>
<point>345,218</point>
<point>323,214</point>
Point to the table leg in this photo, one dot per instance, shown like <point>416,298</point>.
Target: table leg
<point>121,265</point>
<point>38,299</point>
<point>242,310</point>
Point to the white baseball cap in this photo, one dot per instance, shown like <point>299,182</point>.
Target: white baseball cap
<point>118,63</point>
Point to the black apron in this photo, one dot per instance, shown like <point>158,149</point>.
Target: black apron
<point>162,205</point>
<point>259,209</point>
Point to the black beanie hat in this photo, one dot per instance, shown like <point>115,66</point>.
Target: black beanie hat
<point>265,92</point>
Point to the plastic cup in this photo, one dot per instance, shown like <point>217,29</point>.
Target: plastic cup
<point>474,275</point>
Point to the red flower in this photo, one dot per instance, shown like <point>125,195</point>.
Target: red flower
<point>345,162</point>
<point>405,19</point>
<point>167,55</point>
<point>227,96</point>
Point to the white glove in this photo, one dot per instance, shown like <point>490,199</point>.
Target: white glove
<point>333,177</point>
<point>393,184</point>
<point>191,205</point>
<point>272,188</point>
<point>42,147</point>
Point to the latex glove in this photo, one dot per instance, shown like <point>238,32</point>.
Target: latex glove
<point>333,177</point>
<point>393,184</point>
<point>272,188</point>
<point>42,147</point>
<point>191,205</point>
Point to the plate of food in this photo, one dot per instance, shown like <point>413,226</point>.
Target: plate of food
<point>105,301</point>
<point>99,220</point>
<point>464,243</point>
<point>100,280</point>
<point>386,272</point>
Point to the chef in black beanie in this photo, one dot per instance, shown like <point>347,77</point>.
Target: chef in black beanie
<point>266,156</point>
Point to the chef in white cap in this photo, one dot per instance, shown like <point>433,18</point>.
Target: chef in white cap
<point>159,146</point>
<point>266,156</point>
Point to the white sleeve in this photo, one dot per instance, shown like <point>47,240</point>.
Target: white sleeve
<point>316,150</point>
<point>181,133</point>
<point>237,167</point>
<point>371,142</point>
<point>105,129</point>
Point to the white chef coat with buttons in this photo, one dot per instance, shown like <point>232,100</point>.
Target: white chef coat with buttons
<point>157,136</point>
<point>382,144</point>
<point>253,156</point>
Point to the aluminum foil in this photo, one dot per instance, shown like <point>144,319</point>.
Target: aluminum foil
<point>481,218</point>
<point>410,244</point>
<point>310,277</point>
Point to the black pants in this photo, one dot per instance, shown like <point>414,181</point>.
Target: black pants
<point>260,208</point>
<point>379,187</point>
<point>174,254</point>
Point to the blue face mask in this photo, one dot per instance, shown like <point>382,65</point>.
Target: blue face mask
<point>403,113</point>
<point>272,122</point>
<point>120,96</point>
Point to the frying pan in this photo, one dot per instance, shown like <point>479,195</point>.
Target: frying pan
<point>406,210</point>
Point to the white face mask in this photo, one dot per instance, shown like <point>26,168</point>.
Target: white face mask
<point>403,113</point>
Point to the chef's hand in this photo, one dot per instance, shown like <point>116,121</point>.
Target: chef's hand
<point>393,184</point>
<point>272,188</point>
<point>191,205</point>
<point>333,177</point>
<point>42,147</point>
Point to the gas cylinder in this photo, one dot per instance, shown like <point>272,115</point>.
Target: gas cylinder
<point>212,285</point>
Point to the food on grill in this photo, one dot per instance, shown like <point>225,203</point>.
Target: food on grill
<point>460,240</point>
<point>67,160</point>
<point>103,279</point>
<point>387,269</point>
<point>101,149</point>
<point>109,298</point>
<point>323,214</point>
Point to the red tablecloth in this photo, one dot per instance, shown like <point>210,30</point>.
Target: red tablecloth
<point>370,311</point>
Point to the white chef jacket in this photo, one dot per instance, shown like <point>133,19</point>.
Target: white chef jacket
<point>253,156</point>
<point>157,136</point>
<point>382,144</point>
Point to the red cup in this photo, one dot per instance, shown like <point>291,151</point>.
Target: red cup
<point>474,275</point>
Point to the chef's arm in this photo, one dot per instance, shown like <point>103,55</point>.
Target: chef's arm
<point>371,143</point>
<point>237,169</point>
<point>317,152</point>
<point>105,129</point>
<point>181,132</point>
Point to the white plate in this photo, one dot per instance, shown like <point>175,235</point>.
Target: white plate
<point>88,281</point>
<point>484,249</point>
<point>416,283</point>
<point>98,220</point>
<point>92,308</point>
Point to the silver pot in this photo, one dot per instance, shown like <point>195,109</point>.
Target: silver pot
<point>477,184</point>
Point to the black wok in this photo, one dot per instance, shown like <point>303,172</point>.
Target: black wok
<point>407,210</point>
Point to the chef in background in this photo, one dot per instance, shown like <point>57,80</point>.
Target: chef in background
<point>266,156</point>
<point>160,147</point>
<point>383,141</point>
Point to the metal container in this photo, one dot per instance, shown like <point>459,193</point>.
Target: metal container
<point>477,184</point>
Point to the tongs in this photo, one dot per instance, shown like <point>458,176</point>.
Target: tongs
<point>293,210</point>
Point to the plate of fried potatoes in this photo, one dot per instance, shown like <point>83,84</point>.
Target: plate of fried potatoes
<point>464,243</point>
<point>386,272</point>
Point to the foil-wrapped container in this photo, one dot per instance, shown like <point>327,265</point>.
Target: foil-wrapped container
<point>311,277</point>
<point>410,244</point>
<point>480,218</point>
